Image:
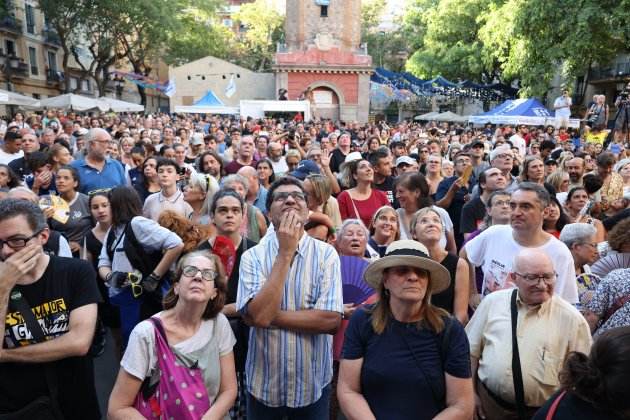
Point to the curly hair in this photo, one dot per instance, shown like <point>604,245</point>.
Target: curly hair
<point>192,235</point>
<point>619,235</point>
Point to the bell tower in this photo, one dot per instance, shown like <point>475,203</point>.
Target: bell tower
<point>323,53</point>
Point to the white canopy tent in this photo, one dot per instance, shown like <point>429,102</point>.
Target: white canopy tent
<point>15,99</point>
<point>426,117</point>
<point>257,109</point>
<point>121,106</point>
<point>70,101</point>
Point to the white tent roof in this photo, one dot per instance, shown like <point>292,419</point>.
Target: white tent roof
<point>257,108</point>
<point>447,116</point>
<point>201,109</point>
<point>121,106</point>
<point>12,98</point>
<point>74,102</point>
<point>427,116</point>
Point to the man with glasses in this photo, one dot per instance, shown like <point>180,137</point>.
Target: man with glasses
<point>494,249</point>
<point>290,293</point>
<point>548,328</point>
<point>61,294</point>
<point>96,170</point>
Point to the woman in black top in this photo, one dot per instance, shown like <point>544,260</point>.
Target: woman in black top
<point>426,227</point>
<point>148,183</point>
<point>594,387</point>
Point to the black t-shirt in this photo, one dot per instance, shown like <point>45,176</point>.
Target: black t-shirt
<point>336,159</point>
<point>473,213</point>
<point>388,188</point>
<point>20,168</point>
<point>66,284</point>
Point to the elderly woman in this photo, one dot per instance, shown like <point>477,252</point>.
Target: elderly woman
<point>383,230</point>
<point>426,227</point>
<point>352,239</point>
<point>580,239</point>
<point>198,193</point>
<point>427,370</point>
<point>197,333</point>
<point>254,225</point>
<point>623,168</point>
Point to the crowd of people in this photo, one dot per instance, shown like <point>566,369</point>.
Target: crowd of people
<point>271,269</point>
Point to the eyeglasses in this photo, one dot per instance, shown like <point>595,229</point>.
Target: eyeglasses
<point>462,161</point>
<point>17,243</point>
<point>206,274</point>
<point>505,156</point>
<point>547,278</point>
<point>592,245</point>
<point>281,197</point>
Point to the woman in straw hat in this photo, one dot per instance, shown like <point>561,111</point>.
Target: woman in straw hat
<point>404,358</point>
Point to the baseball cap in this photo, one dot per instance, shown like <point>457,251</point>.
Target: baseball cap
<point>405,160</point>
<point>350,157</point>
<point>551,161</point>
<point>197,139</point>
<point>504,148</point>
<point>304,169</point>
<point>477,143</point>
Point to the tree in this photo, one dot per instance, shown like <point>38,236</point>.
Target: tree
<point>263,28</point>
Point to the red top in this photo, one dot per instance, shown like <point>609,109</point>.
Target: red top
<point>366,208</point>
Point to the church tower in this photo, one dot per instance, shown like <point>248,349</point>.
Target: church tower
<point>323,52</point>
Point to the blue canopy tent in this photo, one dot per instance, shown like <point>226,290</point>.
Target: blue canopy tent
<point>209,99</point>
<point>519,111</point>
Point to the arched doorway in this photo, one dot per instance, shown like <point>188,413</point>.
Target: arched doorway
<point>326,103</point>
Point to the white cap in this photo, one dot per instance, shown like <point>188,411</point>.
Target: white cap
<point>406,160</point>
<point>351,157</point>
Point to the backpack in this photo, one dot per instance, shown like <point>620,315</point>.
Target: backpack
<point>140,259</point>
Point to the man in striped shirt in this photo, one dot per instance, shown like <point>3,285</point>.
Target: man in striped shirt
<point>290,292</point>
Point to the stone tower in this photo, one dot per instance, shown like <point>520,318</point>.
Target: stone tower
<point>323,52</point>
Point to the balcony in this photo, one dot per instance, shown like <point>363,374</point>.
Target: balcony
<point>13,66</point>
<point>54,76</point>
<point>616,71</point>
<point>51,37</point>
<point>10,25</point>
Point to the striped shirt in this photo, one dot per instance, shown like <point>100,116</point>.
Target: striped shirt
<point>286,368</point>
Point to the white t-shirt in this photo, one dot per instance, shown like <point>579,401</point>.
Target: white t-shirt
<point>280,167</point>
<point>519,142</point>
<point>564,112</point>
<point>446,221</point>
<point>494,251</point>
<point>9,157</point>
<point>140,358</point>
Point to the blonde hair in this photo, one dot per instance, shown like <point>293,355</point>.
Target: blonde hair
<point>423,211</point>
<point>378,213</point>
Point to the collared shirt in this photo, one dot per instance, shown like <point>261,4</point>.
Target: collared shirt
<point>287,368</point>
<point>112,175</point>
<point>157,202</point>
<point>546,334</point>
<point>261,199</point>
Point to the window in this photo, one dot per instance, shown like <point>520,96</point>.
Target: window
<point>85,85</point>
<point>323,11</point>
<point>10,47</point>
<point>32,56</point>
<point>30,18</point>
<point>74,83</point>
<point>52,61</point>
<point>37,96</point>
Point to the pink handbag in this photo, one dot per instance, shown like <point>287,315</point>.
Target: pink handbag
<point>180,392</point>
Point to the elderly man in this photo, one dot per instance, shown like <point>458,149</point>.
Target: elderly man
<point>245,155</point>
<point>580,239</point>
<point>274,152</point>
<point>97,171</point>
<point>494,249</point>
<point>289,290</point>
<point>48,312</point>
<point>512,382</point>
<point>338,156</point>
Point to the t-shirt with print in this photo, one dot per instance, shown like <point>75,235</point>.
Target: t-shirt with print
<point>79,222</point>
<point>494,251</point>
<point>66,285</point>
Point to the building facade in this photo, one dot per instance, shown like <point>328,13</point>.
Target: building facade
<point>323,60</point>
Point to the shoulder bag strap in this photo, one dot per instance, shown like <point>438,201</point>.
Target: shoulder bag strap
<point>554,406</point>
<point>517,374</point>
<point>18,302</point>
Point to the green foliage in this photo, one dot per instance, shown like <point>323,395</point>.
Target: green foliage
<point>263,27</point>
<point>529,40</point>
<point>388,49</point>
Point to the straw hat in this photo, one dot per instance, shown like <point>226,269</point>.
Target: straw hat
<point>408,253</point>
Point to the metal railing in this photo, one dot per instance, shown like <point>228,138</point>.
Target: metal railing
<point>11,24</point>
<point>611,72</point>
<point>54,76</point>
<point>51,37</point>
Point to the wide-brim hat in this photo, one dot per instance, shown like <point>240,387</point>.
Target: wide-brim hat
<point>408,253</point>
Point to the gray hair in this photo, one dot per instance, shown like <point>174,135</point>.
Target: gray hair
<point>235,178</point>
<point>92,132</point>
<point>623,162</point>
<point>576,232</point>
<point>349,222</point>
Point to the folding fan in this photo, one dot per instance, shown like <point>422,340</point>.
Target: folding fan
<point>355,290</point>
<point>611,262</point>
